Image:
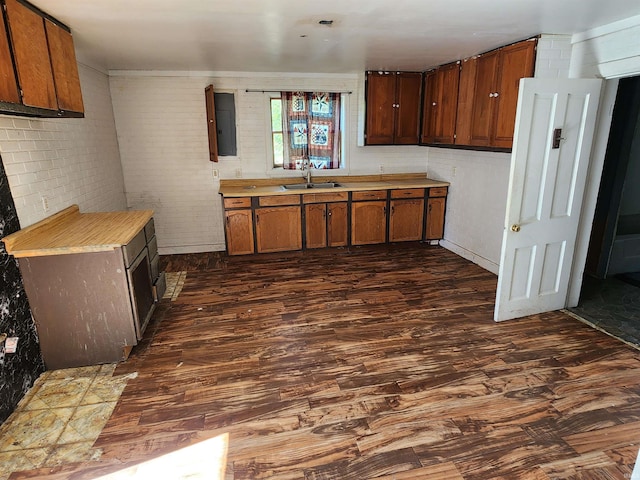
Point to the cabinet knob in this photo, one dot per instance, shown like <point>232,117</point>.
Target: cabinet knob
<point>491,95</point>
<point>495,94</point>
<point>434,104</point>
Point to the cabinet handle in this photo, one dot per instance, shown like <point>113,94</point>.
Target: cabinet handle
<point>393,209</point>
<point>491,95</point>
<point>495,94</point>
<point>329,214</point>
<point>257,218</point>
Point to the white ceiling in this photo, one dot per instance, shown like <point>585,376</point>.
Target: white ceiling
<point>267,35</point>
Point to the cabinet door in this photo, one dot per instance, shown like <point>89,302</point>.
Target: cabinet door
<point>435,218</point>
<point>447,103</point>
<point>239,230</point>
<point>368,222</point>
<point>337,225</point>
<point>31,54</point>
<point>405,220</point>
<point>466,94</point>
<point>65,68</point>
<point>212,128</point>
<point>429,105</point>
<point>278,229</point>
<point>8,83</point>
<point>381,100</point>
<point>316,225</point>
<point>516,62</point>
<point>407,124</point>
<point>484,100</point>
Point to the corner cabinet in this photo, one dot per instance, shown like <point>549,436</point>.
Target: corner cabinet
<point>46,81</point>
<point>279,223</point>
<point>393,108</point>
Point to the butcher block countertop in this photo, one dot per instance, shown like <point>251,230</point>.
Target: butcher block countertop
<point>70,231</point>
<point>274,186</point>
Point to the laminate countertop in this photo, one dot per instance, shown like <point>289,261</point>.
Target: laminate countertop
<point>70,231</point>
<point>260,187</point>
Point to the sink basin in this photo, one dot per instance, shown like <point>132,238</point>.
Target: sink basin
<point>305,186</point>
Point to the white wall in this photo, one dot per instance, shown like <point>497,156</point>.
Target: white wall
<point>66,161</point>
<point>162,133</point>
<point>479,180</point>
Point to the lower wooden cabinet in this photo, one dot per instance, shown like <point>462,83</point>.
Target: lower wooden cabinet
<point>368,222</point>
<point>405,220</point>
<point>239,231</point>
<point>278,229</point>
<point>337,225</point>
<point>434,227</point>
<point>326,225</point>
<point>278,223</point>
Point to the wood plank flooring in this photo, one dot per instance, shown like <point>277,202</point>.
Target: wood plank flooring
<point>379,362</point>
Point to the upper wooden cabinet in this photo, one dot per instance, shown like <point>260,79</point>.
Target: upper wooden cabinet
<point>393,108</point>
<point>440,105</point>
<point>65,68</point>
<point>45,64</point>
<point>31,53</point>
<point>486,116</point>
<point>8,83</point>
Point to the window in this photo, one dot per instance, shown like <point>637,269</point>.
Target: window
<point>325,149</point>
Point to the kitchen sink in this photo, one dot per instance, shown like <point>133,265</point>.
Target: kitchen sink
<point>304,186</point>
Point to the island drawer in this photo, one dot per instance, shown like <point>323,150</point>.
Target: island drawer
<point>132,249</point>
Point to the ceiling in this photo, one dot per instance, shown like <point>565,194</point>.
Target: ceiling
<point>285,36</point>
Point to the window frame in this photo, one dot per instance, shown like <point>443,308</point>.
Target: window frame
<point>279,170</point>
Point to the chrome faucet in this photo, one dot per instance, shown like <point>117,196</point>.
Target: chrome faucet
<point>307,172</point>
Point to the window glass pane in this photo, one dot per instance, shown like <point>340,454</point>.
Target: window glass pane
<point>278,149</point>
<point>276,115</point>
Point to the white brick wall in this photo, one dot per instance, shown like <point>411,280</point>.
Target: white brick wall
<point>163,145</point>
<point>65,161</point>
<point>553,56</point>
<point>609,51</point>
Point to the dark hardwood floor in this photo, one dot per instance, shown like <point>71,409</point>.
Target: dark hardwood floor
<point>380,362</point>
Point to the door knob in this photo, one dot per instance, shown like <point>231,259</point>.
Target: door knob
<point>515,228</point>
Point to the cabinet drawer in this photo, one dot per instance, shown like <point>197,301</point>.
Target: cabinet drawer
<point>275,200</point>
<point>149,230</point>
<point>438,192</point>
<point>407,193</point>
<point>240,202</point>
<point>325,197</point>
<point>155,266</point>
<point>152,245</point>
<point>369,195</point>
<point>132,249</point>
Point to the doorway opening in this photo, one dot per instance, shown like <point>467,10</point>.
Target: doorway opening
<point>610,296</point>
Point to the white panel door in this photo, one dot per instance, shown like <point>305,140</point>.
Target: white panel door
<point>546,186</point>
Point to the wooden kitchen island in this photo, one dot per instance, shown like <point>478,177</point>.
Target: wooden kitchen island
<point>92,281</point>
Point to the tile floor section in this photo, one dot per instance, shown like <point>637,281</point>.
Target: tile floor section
<point>62,415</point>
<point>60,418</point>
<point>613,307</point>
<point>175,282</point>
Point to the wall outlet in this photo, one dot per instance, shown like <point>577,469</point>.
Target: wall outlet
<point>216,173</point>
<point>381,168</point>
<point>45,203</point>
<point>238,173</point>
